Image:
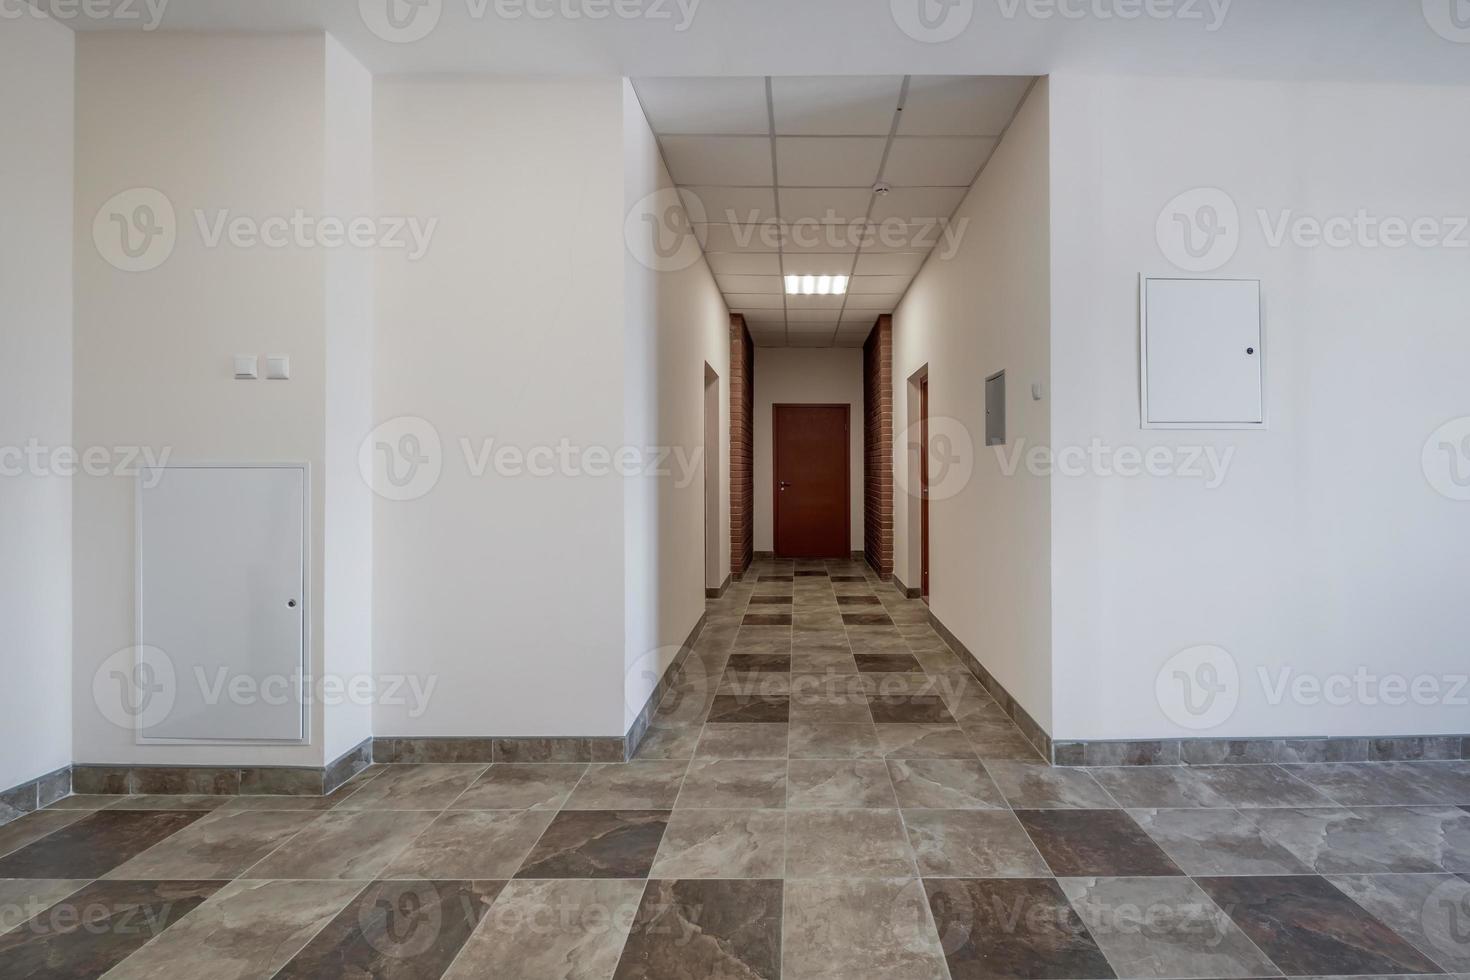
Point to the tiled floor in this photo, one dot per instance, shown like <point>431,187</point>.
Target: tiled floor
<point>830,797</point>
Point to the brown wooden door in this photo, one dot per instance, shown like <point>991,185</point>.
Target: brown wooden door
<point>924,487</point>
<point>811,473</point>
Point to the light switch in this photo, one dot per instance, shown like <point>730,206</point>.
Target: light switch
<point>1036,392</point>
<point>277,367</point>
<point>247,367</point>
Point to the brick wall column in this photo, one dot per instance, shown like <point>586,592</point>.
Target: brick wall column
<point>878,447</point>
<point>742,446</point>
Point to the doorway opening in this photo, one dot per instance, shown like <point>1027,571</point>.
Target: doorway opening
<point>714,577</point>
<point>918,483</point>
<point>812,472</point>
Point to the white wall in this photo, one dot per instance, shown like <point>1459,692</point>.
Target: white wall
<point>506,589</point>
<point>792,375</point>
<point>1325,549</point>
<point>983,310</point>
<point>213,122</point>
<point>350,282</point>
<point>676,325</point>
<point>36,67</point>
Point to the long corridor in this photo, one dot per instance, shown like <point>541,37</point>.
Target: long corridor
<point>825,794</point>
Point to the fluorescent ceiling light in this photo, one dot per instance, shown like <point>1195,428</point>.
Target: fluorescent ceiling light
<point>811,285</point>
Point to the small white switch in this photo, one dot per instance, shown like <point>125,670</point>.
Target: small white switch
<point>277,367</point>
<point>247,367</point>
<point>1036,392</point>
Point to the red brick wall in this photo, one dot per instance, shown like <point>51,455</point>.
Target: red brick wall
<point>878,447</point>
<point>742,443</point>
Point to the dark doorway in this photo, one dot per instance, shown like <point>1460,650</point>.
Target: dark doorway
<point>924,488</point>
<point>812,469</point>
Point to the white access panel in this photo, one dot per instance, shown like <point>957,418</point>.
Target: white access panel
<point>1203,359</point>
<point>222,588</point>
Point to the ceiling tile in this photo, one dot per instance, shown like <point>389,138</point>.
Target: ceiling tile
<point>739,238</point>
<point>821,240</point>
<point>878,284</point>
<point>936,161</point>
<point>808,317</point>
<point>877,302</point>
<point>749,284</point>
<point>744,263</point>
<point>843,340</point>
<point>855,105</point>
<point>888,263</point>
<point>764,322</point>
<point>704,105</point>
<point>755,301</point>
<point>729,204</point>
<point>961,105</point>
<point>893,235</point>
<point>812,341</point>
<point>830,205</point>
<point>917,203</point>
<point>827,161</point>
<point>730,160</point>
<point>858,319</point>
<point>797,303</point>
<point>818,264</point>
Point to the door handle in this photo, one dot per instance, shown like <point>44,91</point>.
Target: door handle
<point>784,485</point>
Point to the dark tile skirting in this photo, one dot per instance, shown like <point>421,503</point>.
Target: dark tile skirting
<point>33,795</point>
<point>1034,733</point>
<point>904,590</point>
<point>717,593</point>
<point>222,780</point>
<point>639,728</point>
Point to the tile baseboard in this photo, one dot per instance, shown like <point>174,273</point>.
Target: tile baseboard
<point>1263,751</point>
<point>639,728</point>
<point>34,794</point>
<point>1033,732</point>
<point>717,593</point>
<point>904,590</point>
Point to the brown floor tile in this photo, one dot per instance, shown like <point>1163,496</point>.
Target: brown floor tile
<point>905,710</point>
<point>532,786</point>
<point>471,845</point>
<point>705,929</point>
<point>95,844</point>
<point>1012,927</point>
<point>403,930</point>
<point>220,845</point>
<point>1091,843</point>
<point>597,844</point>
<point>739,709</point>
<point>345,844</point>
<point>722,844</point>
<point>626,786</point>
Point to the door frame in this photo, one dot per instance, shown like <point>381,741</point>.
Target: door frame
<point>924,487</point>
<point>776,408</point>
<point>714,527</point>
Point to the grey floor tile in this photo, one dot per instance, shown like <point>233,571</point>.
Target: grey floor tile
<point>972,844</point>
<point>1037,786</point>
<point>847,844</point>
<point>734,784</point>
<point>628,786</point>
<point>944,784</point>
<point>472,845</point>
<point>571,930</point>
<point>246,930</point>
<point>525,786</point>
<point>1217,842</point>
<point>845,929</point>
<point>743,742</point>
<point>1149,787</point>
<point>221,845</point>
<point>345,844</point>
<point>1163,928</point>
<point>426,786</point>
<point>1370,839</point>
<point>22,899</point>
<point>821,740</point>
<point>824,784</point>
<point>924,742</point>
<point>1427,910</point>
<point>722,844</point>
